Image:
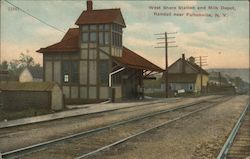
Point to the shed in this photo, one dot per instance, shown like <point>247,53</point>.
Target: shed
<point>18,96</point>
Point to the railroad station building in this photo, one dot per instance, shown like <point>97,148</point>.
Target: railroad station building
<point>91,58</point>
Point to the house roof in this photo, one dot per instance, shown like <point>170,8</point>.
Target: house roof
<point>182,78</point>
<point>27,86</point>
<point>101,16</point>
<point>70,43</point>
<point>194,66</point>
<point>133,60</point>
<point>197,67</point>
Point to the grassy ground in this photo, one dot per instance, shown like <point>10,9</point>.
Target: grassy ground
<point>29,112</point>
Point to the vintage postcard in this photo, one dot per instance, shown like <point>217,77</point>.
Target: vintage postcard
<point>110,79</point>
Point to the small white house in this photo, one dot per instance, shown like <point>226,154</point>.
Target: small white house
<point>31,74</point>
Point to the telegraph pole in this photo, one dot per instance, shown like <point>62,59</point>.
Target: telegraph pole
<point>202,62</point>
<point>166,42</point>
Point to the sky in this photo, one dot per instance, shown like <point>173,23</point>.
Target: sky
<point>223,40</point>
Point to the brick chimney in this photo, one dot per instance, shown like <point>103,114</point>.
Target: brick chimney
<point>183,63</point>
<point>89,5</point>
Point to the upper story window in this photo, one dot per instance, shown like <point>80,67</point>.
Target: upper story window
<point>85,27</point>
<point>90,34</point>
<point>93,37</point>
<point>117,35</point>
<point>106,26</point>
<point>93,27</point>
<point>116,28</point>
<point>104,38</point>
<point>85,37</point>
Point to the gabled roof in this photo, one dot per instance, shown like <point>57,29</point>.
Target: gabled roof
<point>101,16</point>
<point>133,60</point>
<point>187,63</point>
<point>197,67</point>
<point>69,43</point>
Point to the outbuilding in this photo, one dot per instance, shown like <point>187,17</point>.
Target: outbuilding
<point>185,75</point>
<point>19,96</point>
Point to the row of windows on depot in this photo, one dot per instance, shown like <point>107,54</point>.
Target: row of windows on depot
<point>102,38</point>
<point>71,74</point>
<point>102,27</point>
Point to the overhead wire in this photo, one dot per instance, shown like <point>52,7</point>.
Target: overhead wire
<point>40,20</point>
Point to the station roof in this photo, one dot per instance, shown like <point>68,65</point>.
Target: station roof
<point>102,16</point>
<point>133,60</point>
<point>70,44</point>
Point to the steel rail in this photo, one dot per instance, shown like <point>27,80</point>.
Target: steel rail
<point>39,146</point>
<point>230,139</point>
<point>147,130</point>
<point>92,113</point>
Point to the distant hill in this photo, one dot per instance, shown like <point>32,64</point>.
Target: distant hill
<point>233,72</point>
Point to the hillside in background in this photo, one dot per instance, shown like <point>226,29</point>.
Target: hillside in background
<point>233,72</point>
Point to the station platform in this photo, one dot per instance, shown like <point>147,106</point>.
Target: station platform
<point>77,110</point>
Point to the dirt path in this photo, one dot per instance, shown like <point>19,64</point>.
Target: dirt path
<point>198,137</point>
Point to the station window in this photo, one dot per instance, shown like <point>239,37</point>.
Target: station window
<point>107,26</point>
<point>116,39</point>
<point>101,27</point>
<point>70,71</point>
<point>106,38</point>
<point>93,37</point>
<point>93,27</point>
<point>85,27</point>
<point>85,37</point>
<point>104,71</point>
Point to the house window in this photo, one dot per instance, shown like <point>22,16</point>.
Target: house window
<point>70,71</point>
<point>85,37</point>
<point>104,71</point>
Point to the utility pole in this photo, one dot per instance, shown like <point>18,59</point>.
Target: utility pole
<point>202,62</point>
<point>166,42</point>
<point>219,78</point>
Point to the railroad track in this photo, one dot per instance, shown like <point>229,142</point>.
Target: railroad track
<point>89,142</point>
<point>237,145</point>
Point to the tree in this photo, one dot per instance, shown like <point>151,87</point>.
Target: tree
<point>15,66</point>
<point>4,65</point>
<point>26,60</point>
